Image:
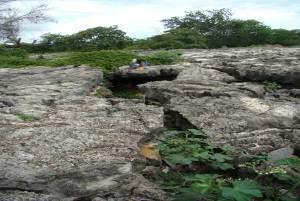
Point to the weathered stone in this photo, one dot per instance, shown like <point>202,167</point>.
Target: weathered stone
<point>154,72</point>
<point>253,64</point>
<point>77,146</point>
<point>60,142</point>
<point>222,93</point>
<point>127,78</point>
<point>280,154</point>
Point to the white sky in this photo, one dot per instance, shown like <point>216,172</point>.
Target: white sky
<point>141,18</point>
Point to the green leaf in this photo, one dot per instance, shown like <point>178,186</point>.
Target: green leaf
<point>287,198</point>
<point>171,132</point>
<point>242,191</point>
<point>197,132</point>
<point>203,155</point>
<point>220,157</point>
<point>229,148</point>
<point>222,166</point>
<point>203,183</point>
<point>180,159</point>
<point>290,179</point>
<point>187,194</point>
<point>201,177</point>
<point>293,162</point>
<point>202,188</point>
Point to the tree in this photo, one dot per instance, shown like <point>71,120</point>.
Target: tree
<point>11,19</point>
<point>242,33</point>
<point>98,38</point>
<point>285,37</point>
<point>177,38</point>
<point>221,30</point>
<point>210,23</point>
<point>52,42</point>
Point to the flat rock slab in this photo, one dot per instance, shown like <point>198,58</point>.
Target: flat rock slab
<point>222,93</point>
<point>60,143</point>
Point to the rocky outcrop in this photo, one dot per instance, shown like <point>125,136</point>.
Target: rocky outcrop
<point>222,93</point>
<point>60,143</point>
<point>127,77</point>
<point>150,72</point>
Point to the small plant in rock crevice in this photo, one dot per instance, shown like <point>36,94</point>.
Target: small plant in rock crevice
<point>271,86</point>
<point>26,117</point>
<point>131,94</point>
<point>196,169</point>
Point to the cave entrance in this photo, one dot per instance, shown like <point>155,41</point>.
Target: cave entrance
<point>125,84</point>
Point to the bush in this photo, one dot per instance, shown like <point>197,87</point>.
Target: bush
<point>286,37</point>
<point>13,52</point>
<point>179,38</point>
<point>196,169</point>
<point>164,58</point>
<point>106,60</point>
<point>9,62</point>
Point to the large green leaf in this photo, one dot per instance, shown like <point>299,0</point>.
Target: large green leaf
<point>242,191</point>
<point>201,177</point>
<point>202,188</point>
<point>202,183</point>
<point>293,162</point>
<point>203,155</point>
<point>220,157</point>
<point>180,159</point>
<point>187,194</point>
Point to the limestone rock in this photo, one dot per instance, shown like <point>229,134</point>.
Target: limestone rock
<point>222,93</point>
<point>58,142</point>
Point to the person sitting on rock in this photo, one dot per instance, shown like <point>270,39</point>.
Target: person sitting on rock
<point>134,64</point>
<point>139,64</point>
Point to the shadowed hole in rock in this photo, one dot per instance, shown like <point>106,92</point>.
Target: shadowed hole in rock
<point>126,85</point>
<point>174,120</point>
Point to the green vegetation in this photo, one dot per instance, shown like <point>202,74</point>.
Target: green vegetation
<point>271,86</point>
<point>131,94</point>
<point>220,29</point>
<point>285,37</point>
<point>196,169</point>
<point>179,38</point>
<point>197,29</point>
<point>26,117</point>
<point>13,57</point>
<point>107,60</point>
<point>163,57</point>
<point>13,52</point>
<point>98,38</point>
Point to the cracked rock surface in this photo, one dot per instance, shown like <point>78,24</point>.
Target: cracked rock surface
<point>58,142</point>
<point>222,92</point>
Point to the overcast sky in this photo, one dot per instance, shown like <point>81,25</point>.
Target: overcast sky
<point>141,18</point>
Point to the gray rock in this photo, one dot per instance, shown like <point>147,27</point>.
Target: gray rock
<point>78,146</point>
<point>252,64</point>
<point>221,92</point>
<point>280,154</point>
<point>154,72</point>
